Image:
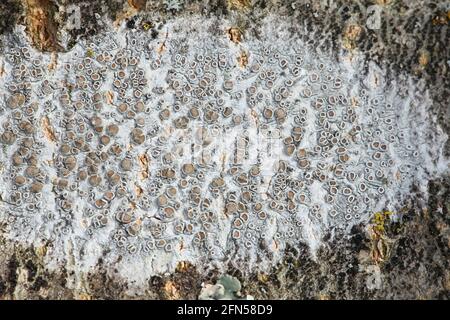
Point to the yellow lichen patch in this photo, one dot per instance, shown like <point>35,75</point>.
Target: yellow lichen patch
<point>235,35</point>
<point>379,220</point>
<point>90,53</point>
<point>243,59</point>
<point>146,26</point>
<point>40,25</point>
<point>381,244</point>
<point>239,4</point>
<point>47,128</point>
<point>171,291</point>
<point>143,162</point>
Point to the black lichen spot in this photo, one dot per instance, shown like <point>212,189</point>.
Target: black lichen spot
<point>32,270</point>
<point>39,283</point>
<point>2,288</point>
<point>154,34</point>
<point>13,264</point>
<point>10,12</point>
<point>357,238</point>
<point>131,24</point>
